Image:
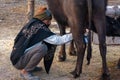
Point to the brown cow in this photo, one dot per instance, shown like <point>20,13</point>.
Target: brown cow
<point>73,13</point>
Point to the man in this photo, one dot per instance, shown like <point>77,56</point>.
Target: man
<point>33,42</point>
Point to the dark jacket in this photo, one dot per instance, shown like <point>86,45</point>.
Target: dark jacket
<point>33,32</point>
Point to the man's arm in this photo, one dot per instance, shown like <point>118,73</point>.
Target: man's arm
<point>59,40</point>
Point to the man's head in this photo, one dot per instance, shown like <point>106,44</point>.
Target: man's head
<point>44,15</point>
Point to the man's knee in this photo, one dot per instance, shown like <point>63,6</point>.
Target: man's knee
<point>42,49</point>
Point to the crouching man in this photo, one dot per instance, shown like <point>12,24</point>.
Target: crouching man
<point>33,42</point>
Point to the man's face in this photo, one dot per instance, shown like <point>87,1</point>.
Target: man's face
<point>47,22</point>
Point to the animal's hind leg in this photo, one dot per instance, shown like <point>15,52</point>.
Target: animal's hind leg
<point>62,52</point>
<point>81,46</point>
<point>102,47</point>
<point>100,24</point>
<point>76,14</point>
<point>72,50</point>
<point>77,25</point>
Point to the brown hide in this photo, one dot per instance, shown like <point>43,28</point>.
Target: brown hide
<point>73,13</point>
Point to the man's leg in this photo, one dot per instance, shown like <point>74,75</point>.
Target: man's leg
<point>37,54</point>
<point>32,57</point>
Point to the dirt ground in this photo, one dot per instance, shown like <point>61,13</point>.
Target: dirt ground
<point>13,17</point>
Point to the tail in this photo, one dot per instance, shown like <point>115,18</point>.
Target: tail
<point>89,49</point>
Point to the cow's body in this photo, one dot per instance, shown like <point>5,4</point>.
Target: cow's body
<point>73,13</point>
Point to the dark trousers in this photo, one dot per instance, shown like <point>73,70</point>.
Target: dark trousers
<point>32,57</point>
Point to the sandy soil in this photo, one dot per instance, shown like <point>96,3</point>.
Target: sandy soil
<point>13,17</point>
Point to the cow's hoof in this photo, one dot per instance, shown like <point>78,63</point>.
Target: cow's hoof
<point>105,77</point>
<point>61,58</point>
<point>72,53</point>
<point>74,74</point>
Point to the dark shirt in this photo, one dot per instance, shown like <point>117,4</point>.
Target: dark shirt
<point>33,32</point>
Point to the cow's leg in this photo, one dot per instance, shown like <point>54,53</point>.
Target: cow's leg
<point>80,56</point>
<point>62,52</point>
<point>118,64</point>
<point>72,50</point>
<point>102,47</point>
<point>76,16</point>
<point>100,24</point>
<point>81,46</point>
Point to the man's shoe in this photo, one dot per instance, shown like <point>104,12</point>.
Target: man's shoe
<point>36,69</point>
<point>29,76</point>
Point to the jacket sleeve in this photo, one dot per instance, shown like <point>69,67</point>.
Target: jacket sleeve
<point>59,40</point>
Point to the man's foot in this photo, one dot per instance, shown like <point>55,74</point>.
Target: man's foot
<point>36,69</point>
<point>29,76</point>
